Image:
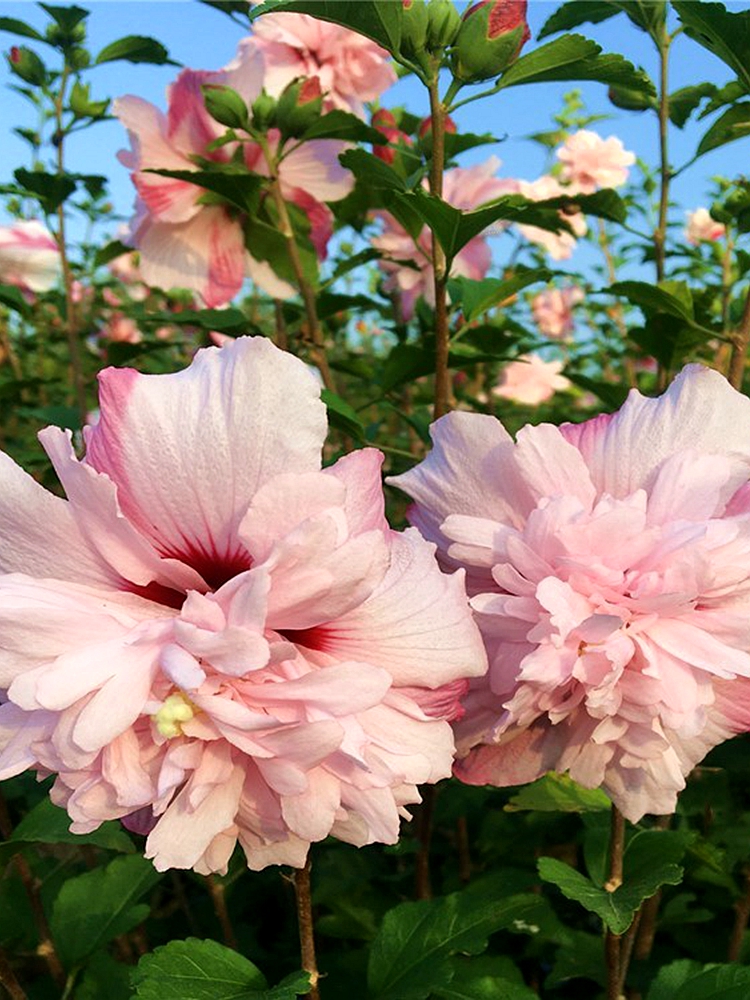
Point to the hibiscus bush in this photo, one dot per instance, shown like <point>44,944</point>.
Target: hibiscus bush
<point>375,524</point>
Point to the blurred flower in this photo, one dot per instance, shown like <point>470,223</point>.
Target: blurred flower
<point>186,244</point>
<point>590,162</point>
<point>121,329</point>
<point>214,640</point>
<point>463,187</point>
<point>701,227</point>
<point>351,68</point>
<point>530,380</point>
<point>558,245</point>
<point>610,563</point>
<point>29,256</point>
<point>552,310</point>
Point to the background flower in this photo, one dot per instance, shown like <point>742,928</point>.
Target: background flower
<point>530,380</point>
<point>590,162</point>
<point>29,256</point>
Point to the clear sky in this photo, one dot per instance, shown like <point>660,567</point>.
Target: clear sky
<point>200,37</point>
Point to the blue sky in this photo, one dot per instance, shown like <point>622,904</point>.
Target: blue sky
<point>200,37</point>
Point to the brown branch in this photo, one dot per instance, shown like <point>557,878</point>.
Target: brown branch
<point>614,881</point>
<point>8,979</point>
<point>742,915</point>
<point>217,891</point>
<point>425,813</point>
<point>740,341</point>
<point>439,268</point>
<point>305,921</point>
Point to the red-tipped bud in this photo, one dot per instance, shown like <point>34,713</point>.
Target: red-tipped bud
<point>383,119</point>
<point>413,29</point>
<point>425,126</point>
<point>492,34</point>
<point>15,55</point>
<point>25,63</point>
<point>300,104</point>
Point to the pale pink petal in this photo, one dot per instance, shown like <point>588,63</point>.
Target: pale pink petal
<point>314,167</point>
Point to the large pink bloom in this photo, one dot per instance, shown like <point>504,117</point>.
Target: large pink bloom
<point>610,567</point>
<point>215,640</point>
<point>29,256</point>
<point>184,243</point>
<point>351,68</point>
<point>463,187</point>
<point>590,162</point>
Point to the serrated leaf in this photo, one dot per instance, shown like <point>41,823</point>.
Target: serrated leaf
<point>66,17</point>
<point>673,298</point>
<point>205,970</point>
<point>573,57</point>
<point>485,979</point>
<point>725,34</point>
<point>611,394</point>
<point>379,20</point>
<point>266,242</point>
<point>47,823</point>
<point>372,170</point>
<point>231,321</point>
<point>733,124</point>
<point>135,49</point>
<point>51,189</point>
<point>685,980</point>
<point>104,977</point>
<point>411,956</point>
<point>110,251</point>
<point>16,27</point>
<point>343,416</point>
<point>93,908</point>
<point>683,102</point>
<point>575,13</point>
<point>476,297</point>
<point>456,142</point>
<point>650,861</point>
<point>339,124</point>
<point>558,793</point>
<point>238,187</point>
<point>229,7</point>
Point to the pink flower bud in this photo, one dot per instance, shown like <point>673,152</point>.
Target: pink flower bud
<point>492,34</point>
<point>15,55</point>
<point>425,126</point>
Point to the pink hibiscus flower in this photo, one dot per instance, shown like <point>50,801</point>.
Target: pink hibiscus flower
<point>29,256</point>
<point>351,68</point>
<point>464,187</point>
<point>184,243</point>
<point>552,310</point>
<point>212,638</point>
<point>530,380</point>
<point>702,228</point>
<point>590,162</point>
<point>610,567</point>
<point>558,245</point>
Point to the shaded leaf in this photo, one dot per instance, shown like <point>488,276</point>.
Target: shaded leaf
<point>93,908</point>
<point>673,298</point>
<point>372,170</point>
<point>683,102</point>
<point>574,57</point>
<point>16,27</point>
<point>476,297</point>
<point>236,186</point>
<point>558,793</point>
<point>485,979</point>
<point>135,49</point>
<point>110,251</point>
<point>612,395</point>
<point>342,416</point>
<point>379,20</point>
<point>575,13</point>
<point>410,957</point>
<point>51,189</point>
<point>725,34</point>
<point>684,980</point>
<point>650,861</point>
<point>204,970</point>
<point>339,124</point>
<point>733,124</point>
<point>66,17</point>
<point>47,823</point>
<point>11,297</point>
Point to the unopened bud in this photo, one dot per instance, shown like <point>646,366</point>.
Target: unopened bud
<point>27,64</point>
<point>300,104</point>
<point>414,28</point>
<point>384,121</point>
<point>425,133</point>
<point>443,23</point>
<point>263,112</point>
<point>492,34</point>
<point>15,55</point>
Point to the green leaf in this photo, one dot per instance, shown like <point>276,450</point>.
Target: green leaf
<point>605,204</point>
<point>46,823</point>
<point>93,908</point>
<point>110,251</point>
<point>135,49</point>
<point>229,7</point>
<point>574,57</point>
<point>82,105</point>
<point>476,297</point>
<point>650,861</point>
<point>51,189</point>
<point>411,956</point>
<point>379,20</point>
<point>11,298</point>
<point>343,416</point>
<point>683,102</point>
<point>631,100</point>
<point>104,977</point>
<point>575,13</point>
<point>372,170</point>
<point>681,981</point>
<point>234,185</point>
<point>204,970</point>
<point>265,242</point>
<point>16,27</point>
<point>611,394</point>
<point>725,34</point>
<point>485,979</point>
<point>733,124</point>
<point>558,793</point>
<point>456,143</point>
<point>671,297</point>
<point>66,17</point>
<point>342,125</point>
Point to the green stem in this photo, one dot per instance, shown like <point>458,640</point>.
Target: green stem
<point>303,896</point>
<point>437,167</point>
<point>306,291</point>
<point>71,311</point>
